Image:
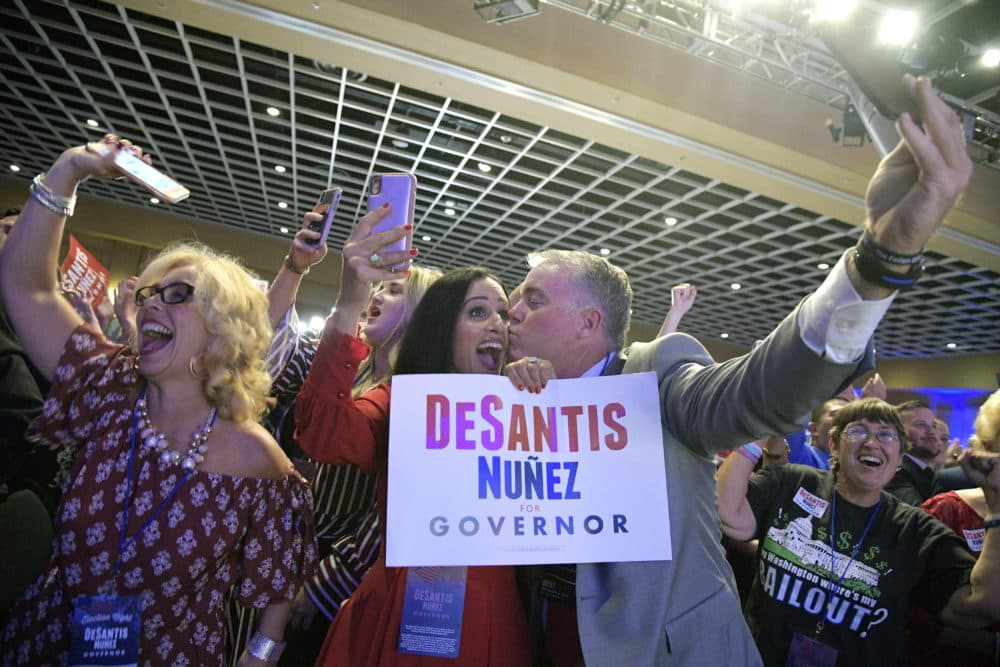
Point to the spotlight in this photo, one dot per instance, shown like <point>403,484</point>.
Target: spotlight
<point>897,28</point>
<point>504,11</point>
<point>991,58</point>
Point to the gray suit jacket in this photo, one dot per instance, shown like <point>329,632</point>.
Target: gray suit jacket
<point>686,611</point>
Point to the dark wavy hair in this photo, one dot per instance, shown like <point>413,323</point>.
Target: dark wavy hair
<point>428,346</point>
<point>873,409</point>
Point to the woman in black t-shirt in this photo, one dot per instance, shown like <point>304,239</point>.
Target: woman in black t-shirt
<point>840,561</point>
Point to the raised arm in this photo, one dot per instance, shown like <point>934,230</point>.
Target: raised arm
<point>301,257</point>
<point>732,479</point>
<point>365,264</point>
<point>913,189</point>
<point>42,318</point>
<point>681,299</point>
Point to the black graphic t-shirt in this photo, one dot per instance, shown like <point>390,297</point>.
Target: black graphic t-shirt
<point>907,557</point>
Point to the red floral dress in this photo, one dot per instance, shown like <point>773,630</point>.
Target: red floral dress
<point>334,428</point>
<point>216,532</point>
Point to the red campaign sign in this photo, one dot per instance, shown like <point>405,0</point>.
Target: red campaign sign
<point>82,272</point>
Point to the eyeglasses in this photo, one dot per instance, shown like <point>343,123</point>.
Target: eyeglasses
<point>172,293</point>
<point>861,434</point>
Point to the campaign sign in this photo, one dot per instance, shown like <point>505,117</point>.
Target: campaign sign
<point>83,273</point>
<point>483,474</point>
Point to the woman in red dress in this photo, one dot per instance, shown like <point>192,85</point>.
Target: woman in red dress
<point>460,326</point>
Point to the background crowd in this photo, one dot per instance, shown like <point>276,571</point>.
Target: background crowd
<point>190,454</point>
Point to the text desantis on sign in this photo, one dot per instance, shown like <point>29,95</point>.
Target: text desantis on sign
<point>483,474</point>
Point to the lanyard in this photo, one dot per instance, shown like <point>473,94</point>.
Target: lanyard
<point>833,552</point>
<point>124,544</point>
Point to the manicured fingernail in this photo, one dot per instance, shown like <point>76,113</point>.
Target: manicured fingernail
<point>385,205</point>
<point>407,227</point>
<point>520,387</point>
<point>414,252</point>
<point>406,273</point>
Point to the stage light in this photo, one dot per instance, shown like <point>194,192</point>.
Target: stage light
<point>991,58</point>
<point>898,27</point>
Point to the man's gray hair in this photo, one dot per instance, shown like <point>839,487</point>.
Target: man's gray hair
<point>596,282</point>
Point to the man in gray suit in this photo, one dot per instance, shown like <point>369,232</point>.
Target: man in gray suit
<point>571,319</point>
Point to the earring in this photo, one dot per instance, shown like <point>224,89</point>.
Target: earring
<point>192,363</point>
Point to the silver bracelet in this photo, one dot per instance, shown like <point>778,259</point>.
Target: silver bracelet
<point>45,196</point>
<point>264,648</point>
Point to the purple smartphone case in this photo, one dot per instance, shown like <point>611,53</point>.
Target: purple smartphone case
<point>400,191</point>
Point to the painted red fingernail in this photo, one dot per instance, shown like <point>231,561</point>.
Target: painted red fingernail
<point>406,273</point>
<point>407,227</point>
<point>414,252</point>
<point>520,387</point>
<point>385,205</point>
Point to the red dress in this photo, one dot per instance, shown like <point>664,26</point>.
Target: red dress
<point>925,650</point>
<point>334,428</point>
<point>217,531</point>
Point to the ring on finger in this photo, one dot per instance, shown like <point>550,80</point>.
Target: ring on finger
<point>533,361</point>
<point>374,258</point>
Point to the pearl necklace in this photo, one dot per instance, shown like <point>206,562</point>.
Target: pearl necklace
<point>156,441</point>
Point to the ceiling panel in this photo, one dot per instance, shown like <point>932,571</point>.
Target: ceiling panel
<point>491,186</point>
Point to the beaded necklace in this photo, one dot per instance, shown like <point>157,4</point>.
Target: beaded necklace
<point>156,441</point>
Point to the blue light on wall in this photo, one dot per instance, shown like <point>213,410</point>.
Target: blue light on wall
<point>957,407</point>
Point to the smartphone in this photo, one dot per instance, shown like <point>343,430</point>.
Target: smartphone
<point>150,178</point>
<point>400,191</point>
<point>327,207</point>
<point>877,69</point>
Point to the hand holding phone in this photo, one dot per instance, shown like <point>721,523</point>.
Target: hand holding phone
<point>327,207</point>
<point>149,177</point>
<point>399,191</point>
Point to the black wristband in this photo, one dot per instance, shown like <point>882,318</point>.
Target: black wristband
<point>874,270</point>
<point>291,267</point>
<point>867,241</point>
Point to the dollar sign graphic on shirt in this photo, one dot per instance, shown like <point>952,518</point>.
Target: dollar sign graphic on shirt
<point>821,534</point>
<point>872,552</point>
<point>844,541</point>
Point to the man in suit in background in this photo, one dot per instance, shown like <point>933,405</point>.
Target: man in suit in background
<point>573,313</point>
<point>914,479</point>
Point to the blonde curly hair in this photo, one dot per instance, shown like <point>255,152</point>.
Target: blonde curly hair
<point>987,425</point>
<point>235,311</point>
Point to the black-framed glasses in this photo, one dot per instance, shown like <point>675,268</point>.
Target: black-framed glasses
<point>172,293</point>
<point>861,434</point>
